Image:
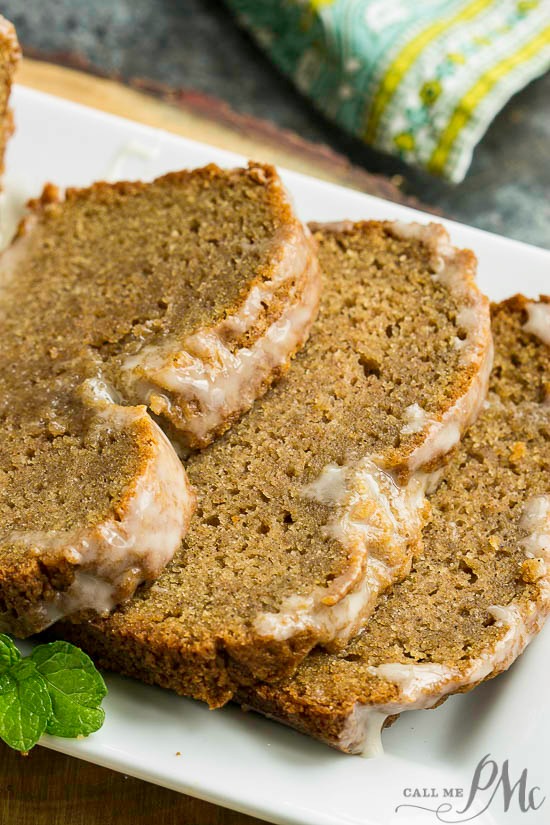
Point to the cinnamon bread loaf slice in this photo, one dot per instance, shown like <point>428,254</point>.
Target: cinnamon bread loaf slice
<point>310,506</point>
<point>193,291</point>
<point>479,588</point>
<point>189,294</point>
<point>93,499</point>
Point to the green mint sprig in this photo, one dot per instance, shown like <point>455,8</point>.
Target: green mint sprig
<point>56,689</point>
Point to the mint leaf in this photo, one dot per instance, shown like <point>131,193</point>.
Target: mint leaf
<point>55,690</point>
<point>25,706</point>
<point>76,689</point>
<point>9,654</point>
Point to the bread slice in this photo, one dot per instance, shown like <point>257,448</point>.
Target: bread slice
<point>310,505</point>
<point>10,54</point>
<point>93,501</point>
<point>193,291</point>
<point>479,589</point>
<point>189,294</point>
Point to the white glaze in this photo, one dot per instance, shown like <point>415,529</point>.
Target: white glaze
<point>467,319</point>
<point>332,226</point>
<point>98,393</point>
<point>377,521</point>
<point>423,685</point>
<point>538,322</point>
<point>416,419</point>
<point>432,234</point>
<point>412,678</point>
<point>443,253</point>
<point>86,592</point>
<point>132,544</point>
<point>330,486</point>
<point>363,726</point>
<point>207,372</point>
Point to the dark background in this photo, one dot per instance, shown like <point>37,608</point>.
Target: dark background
<point>196,44</point>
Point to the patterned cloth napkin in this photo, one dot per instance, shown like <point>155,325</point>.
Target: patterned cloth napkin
<point>421,79</point>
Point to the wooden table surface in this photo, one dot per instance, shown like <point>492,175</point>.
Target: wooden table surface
<point>47,788</point>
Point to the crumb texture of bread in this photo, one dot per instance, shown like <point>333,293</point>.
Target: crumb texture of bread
<point>312,504</point>
<point>479,588</point>
<point>95,278</point>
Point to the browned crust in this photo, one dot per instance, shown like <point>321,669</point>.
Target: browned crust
<point>517,303</point>
<point>132,654</point>
<point>318,721</point>
<point>326,723</point>
<point>207,671</point>
<point>263,174</point>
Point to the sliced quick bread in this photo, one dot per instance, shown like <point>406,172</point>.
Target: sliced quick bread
<point>189,294</point>
<point>93,501</point>
<point>479,588</point>
<point>312,504</point>
<point>193,292</point>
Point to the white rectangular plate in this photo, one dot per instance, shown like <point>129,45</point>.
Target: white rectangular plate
<point>241,760</point>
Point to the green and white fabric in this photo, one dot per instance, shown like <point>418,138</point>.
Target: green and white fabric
<point>421,79</point>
